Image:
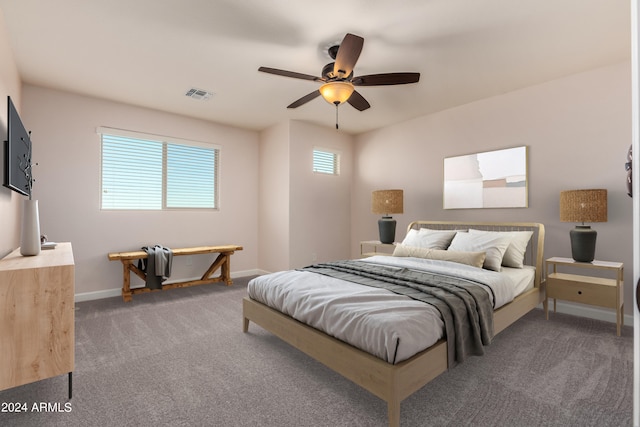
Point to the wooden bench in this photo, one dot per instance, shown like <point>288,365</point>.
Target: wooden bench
<point>221,262</point>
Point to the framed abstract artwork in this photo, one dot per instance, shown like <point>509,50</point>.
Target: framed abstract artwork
<point>492,179</point>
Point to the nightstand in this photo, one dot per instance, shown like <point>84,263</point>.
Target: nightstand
<point>598,291</point>
<point>375,247</point>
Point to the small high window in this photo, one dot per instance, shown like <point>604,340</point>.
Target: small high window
<point>326,161</point>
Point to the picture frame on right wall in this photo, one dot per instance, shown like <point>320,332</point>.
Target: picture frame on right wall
<point>491,179</point>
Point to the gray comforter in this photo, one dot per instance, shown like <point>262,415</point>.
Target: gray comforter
<point>465,307</point>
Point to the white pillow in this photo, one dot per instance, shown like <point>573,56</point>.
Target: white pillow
<point>514,256</point>
<point>475,259</point>
<point>428,238</point>
<point>494,245</point>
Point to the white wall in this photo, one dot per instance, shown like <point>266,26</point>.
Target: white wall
<point>578,130</point>
<point>10,85</point>
<point>67,148</point>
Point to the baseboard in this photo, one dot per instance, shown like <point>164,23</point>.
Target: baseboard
<point>89,296</point>
<point>117,292</point>
<point>587,311</point>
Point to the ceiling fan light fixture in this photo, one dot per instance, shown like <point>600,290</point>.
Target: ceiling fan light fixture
<point>336,92</point>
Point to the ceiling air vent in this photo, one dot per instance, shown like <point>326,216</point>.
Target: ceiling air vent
<point>199,94</point>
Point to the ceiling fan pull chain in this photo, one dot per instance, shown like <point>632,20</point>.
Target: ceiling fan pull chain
<point>337,115</point>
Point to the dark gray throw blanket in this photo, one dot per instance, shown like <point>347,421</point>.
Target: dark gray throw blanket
<point>157,265</point>
<point>465,307</point>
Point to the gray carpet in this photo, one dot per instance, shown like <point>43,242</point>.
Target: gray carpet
<point>179,358</point>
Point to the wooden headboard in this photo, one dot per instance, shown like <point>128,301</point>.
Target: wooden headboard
<point>535,249</point>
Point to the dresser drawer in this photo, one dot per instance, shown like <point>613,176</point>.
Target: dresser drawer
<point>583,289</point>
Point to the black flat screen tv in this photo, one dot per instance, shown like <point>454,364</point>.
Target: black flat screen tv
<point>17,153</point>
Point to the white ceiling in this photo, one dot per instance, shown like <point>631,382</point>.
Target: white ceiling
<point>150,52</point>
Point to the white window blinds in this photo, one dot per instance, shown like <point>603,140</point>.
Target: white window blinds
<point>142,172</point>
<point>326,161</point>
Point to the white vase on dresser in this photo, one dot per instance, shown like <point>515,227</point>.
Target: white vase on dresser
<point>30,232</point>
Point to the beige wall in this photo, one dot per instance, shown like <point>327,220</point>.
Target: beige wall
<point>267,185</point>
<point>271,202</point>
<point>10,85</point>
<point>273,218</point>
<point>304,216</point>
<point>320,205</point>
<point>67,148</point>
<point>578,130</point>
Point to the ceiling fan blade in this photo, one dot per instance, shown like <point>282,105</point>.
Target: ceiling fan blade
<point>348,55</point>
<point>358,102</point>
<point>386,79</point>
<point>286,73</point>
<point>304,99</point>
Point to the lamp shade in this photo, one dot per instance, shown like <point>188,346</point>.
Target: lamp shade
<point>336,92</point>
<point>387,202</point>
<point>583,206</point>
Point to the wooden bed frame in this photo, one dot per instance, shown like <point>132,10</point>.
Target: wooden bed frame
<point>393,383</point>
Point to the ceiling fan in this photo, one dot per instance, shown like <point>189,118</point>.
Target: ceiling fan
<point>338,79</point>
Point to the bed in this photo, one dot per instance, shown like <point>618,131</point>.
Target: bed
<point>391,373</point>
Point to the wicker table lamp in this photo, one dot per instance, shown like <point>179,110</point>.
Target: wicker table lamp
<point>387,202</point>
<point>583,206</point>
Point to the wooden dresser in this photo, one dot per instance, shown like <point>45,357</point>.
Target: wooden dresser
<point>37,316</point>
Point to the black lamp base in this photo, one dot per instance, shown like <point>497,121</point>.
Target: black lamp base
<point>387,229</point>
<point>583,243</point>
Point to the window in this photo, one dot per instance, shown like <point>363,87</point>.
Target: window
<point>149,172</point>
<point>326,161</point>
